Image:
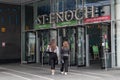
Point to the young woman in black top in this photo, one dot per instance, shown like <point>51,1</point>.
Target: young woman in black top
<point>64,57</point>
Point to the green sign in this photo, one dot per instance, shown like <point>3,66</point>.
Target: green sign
<point>67,23</point>
<point>60,24</point>
<point>43,26</point>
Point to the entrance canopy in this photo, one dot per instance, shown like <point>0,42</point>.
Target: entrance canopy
<point>17,1</point>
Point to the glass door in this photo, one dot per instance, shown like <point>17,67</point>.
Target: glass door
<point>106,46</point>
<point>43,41</point>
<point>70,34</point>
<point>30,47</point>
<point>81,47</point>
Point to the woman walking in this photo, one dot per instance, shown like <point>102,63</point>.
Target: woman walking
<point>64,57</point>
<point>53,55</point>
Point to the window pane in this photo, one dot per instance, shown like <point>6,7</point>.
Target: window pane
<point>94,1</point>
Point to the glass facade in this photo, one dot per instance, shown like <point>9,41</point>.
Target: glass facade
<point>43,7</point>
<point>29,17</point>
<point>46,10</point>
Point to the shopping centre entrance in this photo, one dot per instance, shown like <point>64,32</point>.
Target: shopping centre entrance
<point>90,45</point>
<point>98,40</point>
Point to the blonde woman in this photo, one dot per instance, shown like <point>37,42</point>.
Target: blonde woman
<point>64,57</point>
<point>53,54</point>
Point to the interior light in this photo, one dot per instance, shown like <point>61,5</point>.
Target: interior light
<point>3,29</point>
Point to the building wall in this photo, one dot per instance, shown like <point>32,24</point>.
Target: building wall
<point>10,21</point>
<point>118,31</point>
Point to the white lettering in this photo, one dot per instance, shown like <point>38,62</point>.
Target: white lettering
<point>60,17</point>
<point>78,14</point>
<point>68,15</point>
<point>43,17</point>
<point>52,17</point>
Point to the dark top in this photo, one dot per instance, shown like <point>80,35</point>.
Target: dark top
<point>65,52</point>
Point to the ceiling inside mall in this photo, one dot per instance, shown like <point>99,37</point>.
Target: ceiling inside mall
<point>17,1</point>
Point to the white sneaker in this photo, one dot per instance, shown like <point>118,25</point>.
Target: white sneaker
<point>53,73</point>
<point>62,72</point>
<point>65,73</point>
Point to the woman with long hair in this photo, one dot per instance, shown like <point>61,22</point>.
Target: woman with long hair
<point>53,54</point>
<point>64,57</point>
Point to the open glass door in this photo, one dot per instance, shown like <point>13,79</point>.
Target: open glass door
<point>106,46</point>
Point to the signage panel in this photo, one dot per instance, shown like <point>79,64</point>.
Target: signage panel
<point>92,14</point>
<point>43,26</point>
<point>67,23</point>
<point>97,19</point>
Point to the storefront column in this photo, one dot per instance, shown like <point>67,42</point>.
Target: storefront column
<point>53,34</point>
<point>23,34</point>
<point>35,11</point>
<point>118,31</point>
<point>53,9</point>
<point>113,61</point>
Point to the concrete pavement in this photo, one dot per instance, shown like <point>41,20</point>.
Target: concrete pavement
<point>38,72</point>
